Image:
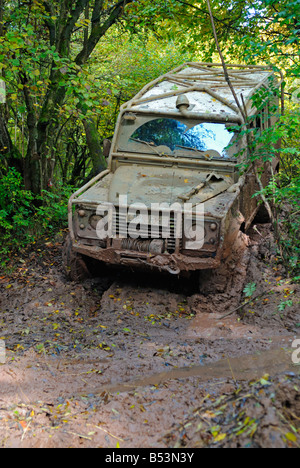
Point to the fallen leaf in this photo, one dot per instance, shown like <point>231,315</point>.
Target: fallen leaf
<point>291,437</point>
<point>220,437</point>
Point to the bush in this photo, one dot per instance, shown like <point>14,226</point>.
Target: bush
<point>25,217</point>
<point>283,191</point>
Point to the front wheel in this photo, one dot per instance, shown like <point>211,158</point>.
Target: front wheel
<point>230,276</point>
<point>75,265</point>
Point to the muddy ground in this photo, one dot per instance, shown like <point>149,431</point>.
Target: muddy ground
<point>137,360</point>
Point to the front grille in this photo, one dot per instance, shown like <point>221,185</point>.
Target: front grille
<point>145,231</point>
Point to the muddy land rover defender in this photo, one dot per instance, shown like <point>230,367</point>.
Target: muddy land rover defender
<point>176,148</point>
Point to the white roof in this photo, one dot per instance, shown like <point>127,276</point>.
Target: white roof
<point>205,87</point>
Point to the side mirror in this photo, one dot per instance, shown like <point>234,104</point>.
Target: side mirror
<point>106,147</point>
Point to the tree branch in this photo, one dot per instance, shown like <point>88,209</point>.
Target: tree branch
<point>98,29</point>
<point>66,22</point>
<point>227,78</point>
<point>217,20</point>
<point>50,23</point>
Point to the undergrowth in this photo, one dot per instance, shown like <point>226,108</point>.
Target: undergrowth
<point>24,217</point>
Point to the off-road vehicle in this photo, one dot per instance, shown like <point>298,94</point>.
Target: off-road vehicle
<point>176,145</point>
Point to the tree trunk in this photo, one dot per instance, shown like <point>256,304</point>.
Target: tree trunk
<point>9,155</point>
<point>94,146</point>
<point>6,145</point>
<point>42,129</point>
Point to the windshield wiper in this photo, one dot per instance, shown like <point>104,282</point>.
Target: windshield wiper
<point>194,149</point>
<point>146,143</point>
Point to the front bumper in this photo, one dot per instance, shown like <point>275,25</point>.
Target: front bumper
<point>170,263</point>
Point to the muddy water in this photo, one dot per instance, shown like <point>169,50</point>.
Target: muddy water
<point>245,367</point>
<point>213,326</point>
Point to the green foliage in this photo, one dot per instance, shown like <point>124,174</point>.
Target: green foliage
<point>273,37</point>
<point>24,217</point>
<point>118,78</point>
<point>15,206</point>
<point>284,304</point>
<point>44,50</point>
<point>283,190</point>
<point>249,289</point>
<point>53,87</point>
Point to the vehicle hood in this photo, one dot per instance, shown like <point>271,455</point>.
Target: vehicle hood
<point>158,184</point>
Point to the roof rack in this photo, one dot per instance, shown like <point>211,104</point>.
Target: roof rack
<point>206,89</point>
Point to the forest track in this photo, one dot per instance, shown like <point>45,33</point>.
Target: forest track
<point>128,358</point>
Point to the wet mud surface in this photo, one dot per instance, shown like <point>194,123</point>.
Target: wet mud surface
<point>137,360</point>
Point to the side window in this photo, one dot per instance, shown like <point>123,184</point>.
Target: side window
<point>262,121</point>
<point>258,123</point>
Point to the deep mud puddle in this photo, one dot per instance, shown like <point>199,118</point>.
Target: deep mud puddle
<point>243,368</point>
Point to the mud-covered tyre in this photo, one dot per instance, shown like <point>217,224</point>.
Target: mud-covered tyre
<point>212,281</point>
<point>262,216</point>
<point>230,276</point>
<point>75,265</point>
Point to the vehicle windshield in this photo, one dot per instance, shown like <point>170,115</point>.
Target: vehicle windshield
<point>173,137</point>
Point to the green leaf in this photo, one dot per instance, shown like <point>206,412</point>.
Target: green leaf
<point>249,289</point>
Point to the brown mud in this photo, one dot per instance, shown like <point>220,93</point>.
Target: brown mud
<point>138,360</point>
